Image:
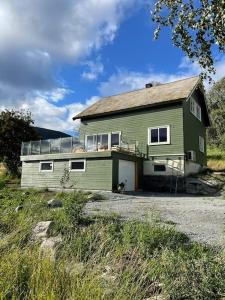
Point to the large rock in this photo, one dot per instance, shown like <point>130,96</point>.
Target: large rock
<point>50,246</point>
<point>54,203</point>
<point>41,230</point>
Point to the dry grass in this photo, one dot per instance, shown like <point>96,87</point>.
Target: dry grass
<point>102,257</point>
<point>216,159</point>
<point>2,170</point>
<point>216,165</point>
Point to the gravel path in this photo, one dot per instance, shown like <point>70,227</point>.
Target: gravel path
<point>201,218</point>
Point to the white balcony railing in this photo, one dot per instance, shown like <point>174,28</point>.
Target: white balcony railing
<point>72,145</point>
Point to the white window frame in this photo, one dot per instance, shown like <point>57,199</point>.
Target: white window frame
<point>77,160</point>
<point>109,139</point>
<point>44,162</point>
<point>201,144</point>
<point>159,143</point>
<point>115,132</point>
<point>92,135</point>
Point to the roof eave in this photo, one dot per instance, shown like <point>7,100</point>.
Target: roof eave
<point>80,116</point>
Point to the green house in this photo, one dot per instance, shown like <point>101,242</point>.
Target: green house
<point>132,141</point>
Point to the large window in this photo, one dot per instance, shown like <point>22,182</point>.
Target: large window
<point>159,135</point>
<point>46,166</point>
<point>201,144</point>
<point>102,141</point>
<point>77,165</point>
<point>195,109</point>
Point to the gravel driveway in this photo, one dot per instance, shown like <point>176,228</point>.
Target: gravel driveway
<point>201,218</point>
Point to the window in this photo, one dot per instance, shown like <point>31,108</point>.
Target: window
<point>159,135</point>
<point>78,165</point>
<point>91,142</point>
<point>115,139</point>
<point>195,109</point>
<point>159,168</point>
<point>103,141</point>
<point>201,144</point>
<point>198,112</point>
<point>46,166</point>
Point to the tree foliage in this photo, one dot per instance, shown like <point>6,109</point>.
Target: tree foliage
<point>197,25</point>
<point>216,104</point>
<point>14,128</point>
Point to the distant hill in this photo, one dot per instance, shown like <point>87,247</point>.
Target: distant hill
<point>45,133</point>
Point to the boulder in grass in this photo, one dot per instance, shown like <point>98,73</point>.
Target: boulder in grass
<point>41,230</point>
<point>50,246</point>
<point>54,203</point>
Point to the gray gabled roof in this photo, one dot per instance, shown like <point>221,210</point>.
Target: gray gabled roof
<point>164,93</point>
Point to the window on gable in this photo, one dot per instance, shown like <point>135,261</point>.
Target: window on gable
<point>198,112</point>
<point>201,144</point>
<point>78,165</point>
<point>159,135</point>
<point>46,166</point>
<point>195,109</point>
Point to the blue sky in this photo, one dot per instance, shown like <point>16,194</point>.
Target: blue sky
<point>57,57</point>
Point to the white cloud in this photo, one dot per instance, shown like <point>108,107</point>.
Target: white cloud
<point>37,36</point>
<point>124,80</point>
<point>93,70</point>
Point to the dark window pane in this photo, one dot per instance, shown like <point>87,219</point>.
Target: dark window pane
<point>46,166</point>
<point>115,139</point>
<point>154,136</point>
<point>159,168</point>
<point>77,165</point>
<point>162,135</point>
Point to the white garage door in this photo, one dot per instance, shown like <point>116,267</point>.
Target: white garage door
<point>127,174</point>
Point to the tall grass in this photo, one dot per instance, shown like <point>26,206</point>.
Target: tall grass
<point>216,158</point>
<point>101,257</point>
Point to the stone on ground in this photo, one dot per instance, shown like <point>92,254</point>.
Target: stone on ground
<point>54,203</point>
<point>41,230</point>
<point>50,246</point>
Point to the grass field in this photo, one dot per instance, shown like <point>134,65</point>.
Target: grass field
<point>216,159</point>
<point>101,257</point>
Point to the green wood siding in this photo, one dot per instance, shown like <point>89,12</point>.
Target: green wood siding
<point>98,175</point>
<point>193,128</point>
<point>134,127</point>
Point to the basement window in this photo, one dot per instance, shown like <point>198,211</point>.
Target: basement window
<point>46,166</point>
<point>159,168</point>
<point>77,165</point>
<point>159,135</point>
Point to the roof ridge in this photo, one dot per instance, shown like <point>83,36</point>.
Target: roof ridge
<point>144,88</point>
